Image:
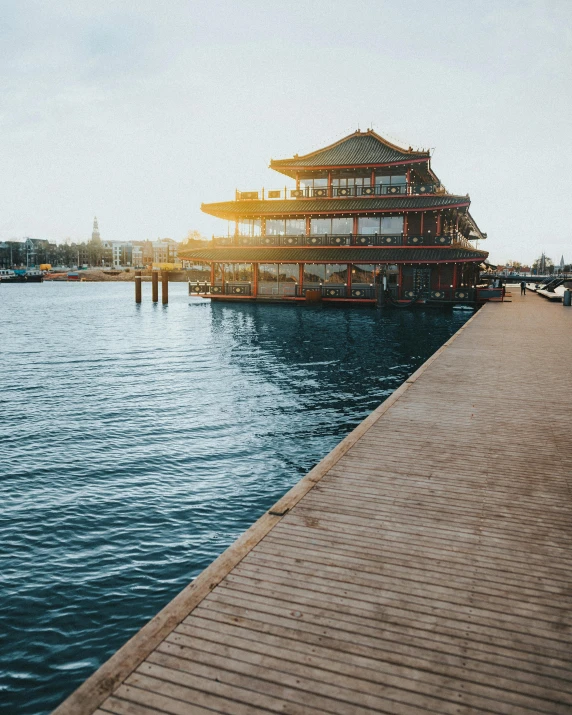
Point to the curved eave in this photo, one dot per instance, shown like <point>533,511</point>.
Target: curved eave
<point>231,210</point>
<point>479,235</point>
<point>292,170</point>
<point>328,254</point>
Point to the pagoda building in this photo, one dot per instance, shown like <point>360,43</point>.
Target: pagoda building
<point>362,216</point>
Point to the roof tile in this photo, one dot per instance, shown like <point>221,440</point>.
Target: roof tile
<point>357,149</point>
<point>304,207</point>
<point>331,255</point>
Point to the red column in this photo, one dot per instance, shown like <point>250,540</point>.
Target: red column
<point>349,291</point>
<point>405,224</point>
<point>329,183</point>
<point>422,226</point>
<point>399,287</point>
<point>212,273</point>
<point>439,223</point>
<point>300,275</point>
<point>255,279</point>
<point>307,225</point>
<point>355,228</point>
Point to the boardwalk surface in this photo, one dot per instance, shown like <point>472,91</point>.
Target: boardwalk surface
<point>423,567</point>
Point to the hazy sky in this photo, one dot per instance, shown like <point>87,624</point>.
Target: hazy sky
<point>139,111</point>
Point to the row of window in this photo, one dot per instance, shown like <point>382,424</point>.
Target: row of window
<point>284,273</point>
<point>349,181</point>
<point>367,225</point>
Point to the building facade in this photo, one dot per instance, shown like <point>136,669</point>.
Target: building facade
<point>362,215</point>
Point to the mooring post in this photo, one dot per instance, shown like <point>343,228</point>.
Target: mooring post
<point>155,285</point>
<point>137,286</point>
<point>165,287</point>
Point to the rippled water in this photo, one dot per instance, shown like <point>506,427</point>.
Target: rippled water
<point>137,442</point>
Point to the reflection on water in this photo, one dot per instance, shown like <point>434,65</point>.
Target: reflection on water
<point>139,441</point>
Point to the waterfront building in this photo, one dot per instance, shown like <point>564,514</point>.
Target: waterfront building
<point>121,253</point>
<point>165,250</point>
<point>361,216</point>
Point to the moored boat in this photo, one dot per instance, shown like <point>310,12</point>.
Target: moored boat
<point>21,276</point>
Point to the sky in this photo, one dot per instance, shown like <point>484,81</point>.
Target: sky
<point>139,111</point>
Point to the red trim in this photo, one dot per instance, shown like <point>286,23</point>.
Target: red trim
<point>302,212</point>
<point>340,248</point>
<point>340,261</point>
<point>369,165</point>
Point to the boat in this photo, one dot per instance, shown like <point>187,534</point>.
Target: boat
<point>21,276</point>
<point>7,275</point>
<point>73,276</point>
<point>33,276</point>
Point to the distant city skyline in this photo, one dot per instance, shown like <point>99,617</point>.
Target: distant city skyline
<point>138,113</point>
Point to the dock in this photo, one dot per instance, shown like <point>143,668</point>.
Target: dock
<point>423,566</point>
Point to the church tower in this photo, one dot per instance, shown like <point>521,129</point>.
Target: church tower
<point>95,237</point>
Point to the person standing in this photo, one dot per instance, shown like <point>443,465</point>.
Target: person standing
<point>522,288</point>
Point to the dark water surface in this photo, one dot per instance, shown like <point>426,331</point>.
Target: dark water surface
<point>137,443</point>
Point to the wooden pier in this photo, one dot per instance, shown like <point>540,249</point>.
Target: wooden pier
<point>424,566</point>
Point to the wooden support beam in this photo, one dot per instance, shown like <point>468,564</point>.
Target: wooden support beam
<point>165,287</point>
<point>155,285</point>
<point>138,287</point>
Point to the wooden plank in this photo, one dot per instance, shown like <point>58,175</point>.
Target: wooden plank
<point>423,566</point>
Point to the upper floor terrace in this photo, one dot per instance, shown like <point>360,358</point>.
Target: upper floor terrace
<point>342,189</point>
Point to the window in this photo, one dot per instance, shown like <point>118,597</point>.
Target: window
<point>396,184</point>
<point>288,227</point>
<point>383,225</point>
<point>199,272</point>
<point>314,183</point>
<point>351,181</point>
<point>320,226</point>
<point>277,278</point>
<point>314,273</point>
<point>218,267</point>
<point>363,273</point>
<point>267,273</point>
<point>237,272</point>
<point>288,273</point>
<point>391,225</point>
<point>368,225</point>
<point>336,273</point>
<point>295,227</point>
<point>249,227</point>
<point>342,225</point>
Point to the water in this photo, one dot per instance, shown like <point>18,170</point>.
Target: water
<point>137,443</point>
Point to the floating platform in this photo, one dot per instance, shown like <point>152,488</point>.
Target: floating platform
<point>424,566</point>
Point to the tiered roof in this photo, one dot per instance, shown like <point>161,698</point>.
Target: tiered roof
<point>304,207</point>
<point>336,254</point>
<point>356,150</point>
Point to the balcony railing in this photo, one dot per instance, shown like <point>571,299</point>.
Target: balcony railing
<point>361,291</point>
<point>340,192</point>
<point>335,240</point>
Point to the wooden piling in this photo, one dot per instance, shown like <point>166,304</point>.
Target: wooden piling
<point>155,286</point>
<point>165,287</point>
<point>138,286</point>
<point>313,296</point>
